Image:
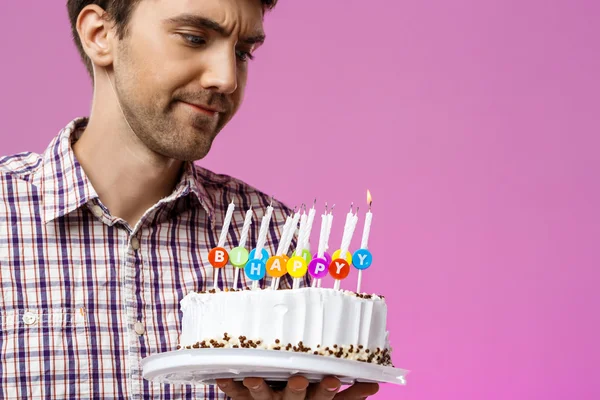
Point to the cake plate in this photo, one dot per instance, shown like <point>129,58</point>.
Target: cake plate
<point>204,366</point>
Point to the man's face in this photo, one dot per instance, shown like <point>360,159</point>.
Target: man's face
<point>181,70</point>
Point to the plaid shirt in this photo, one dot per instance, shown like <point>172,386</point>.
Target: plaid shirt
<point>84,297</point>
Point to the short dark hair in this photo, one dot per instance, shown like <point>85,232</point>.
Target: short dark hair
<point>119,11</point>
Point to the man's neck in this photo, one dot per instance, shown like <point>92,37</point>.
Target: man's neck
<point>128,177</point>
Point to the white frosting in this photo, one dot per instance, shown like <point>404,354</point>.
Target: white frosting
<point>315,316</point>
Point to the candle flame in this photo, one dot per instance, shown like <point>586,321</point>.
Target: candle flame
<point>369,198</point>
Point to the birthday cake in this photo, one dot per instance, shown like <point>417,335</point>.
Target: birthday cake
<point>319,321</point>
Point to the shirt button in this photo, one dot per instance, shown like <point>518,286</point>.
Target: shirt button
<point>97,210</point>
<point>135,243</point>
<point>29,318</point>
<point>139,328</point>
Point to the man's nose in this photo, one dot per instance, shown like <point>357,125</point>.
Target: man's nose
<point>220,71</point>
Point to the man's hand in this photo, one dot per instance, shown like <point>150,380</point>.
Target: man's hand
<point>297,389</point>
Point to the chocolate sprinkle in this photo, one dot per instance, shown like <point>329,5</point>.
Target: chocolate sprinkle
<point>353,352</point>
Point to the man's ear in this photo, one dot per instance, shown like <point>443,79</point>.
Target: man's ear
<point>96,35</point>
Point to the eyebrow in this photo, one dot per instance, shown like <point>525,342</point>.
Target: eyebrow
<point>207,23</point>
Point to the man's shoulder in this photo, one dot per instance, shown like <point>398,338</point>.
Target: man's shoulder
<point>222,184</point>
<point>19,166</point>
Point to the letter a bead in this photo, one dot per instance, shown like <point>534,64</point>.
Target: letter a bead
<point>218,257</point>
<point>276,266</point>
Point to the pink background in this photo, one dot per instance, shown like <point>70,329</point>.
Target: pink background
<point>476,126</point>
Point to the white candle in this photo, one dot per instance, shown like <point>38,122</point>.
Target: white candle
<point>351,221</point>
<point>364,243</point>
<point>262,234</point>
<point>322,233</point>
<point>322,241</point>
<point>226,223</point>
<point>291,233</point>
<point>223,237</point>
<point>288,240</point>
<point>347,236</point>
<point>308,230</point>
<point>300,243</point>
<point>246,228</point>
<point>284,233</point>
<point>283,237</point>
<point>329,224</point>
<point>243,240</point>
<point>262,238</point>
<point>329,220</point>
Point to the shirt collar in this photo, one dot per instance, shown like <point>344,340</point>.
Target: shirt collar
<point>191,181</point>
<point>65,187</point>
<point>63,184</point>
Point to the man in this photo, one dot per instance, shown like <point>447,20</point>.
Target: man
<point>104,233</point>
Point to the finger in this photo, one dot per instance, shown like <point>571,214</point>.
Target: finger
<point>258,389</point>
<point>358,391</point>
<point>233,389</point>
<point>296,388</point>
<point>326,389</point>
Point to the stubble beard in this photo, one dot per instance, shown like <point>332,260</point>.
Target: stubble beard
<point>163,130</point>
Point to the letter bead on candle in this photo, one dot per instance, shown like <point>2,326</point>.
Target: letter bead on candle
<point>326,256</point>
<point>255,269</point>
<point>339,269</point>
<point>238,257</point>
<point>218,257</point>
<point>297,267</point>
<point>305,254</point>
<point>338,254</point>
<point>362,259</point>
<point>264,252</point>
<point>276,266</point>
<point>318,268</point>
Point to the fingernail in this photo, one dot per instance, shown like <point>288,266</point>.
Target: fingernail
<point>223,385</point>
<point>333,389</point>
<point>255,387</point>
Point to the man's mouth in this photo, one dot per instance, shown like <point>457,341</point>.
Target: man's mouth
<point>204,109</point>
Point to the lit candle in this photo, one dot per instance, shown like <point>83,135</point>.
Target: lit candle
<point>222,238</point>
<point>241,248</point>
<point>364,244</point>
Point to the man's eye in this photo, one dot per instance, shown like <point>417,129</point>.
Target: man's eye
<point>193,39</point>
<point>244,55</point>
